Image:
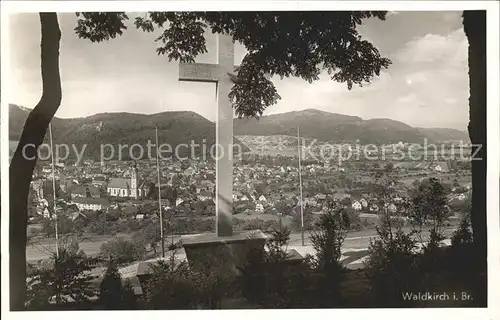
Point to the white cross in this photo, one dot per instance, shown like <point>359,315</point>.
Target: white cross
<point>219,73</point>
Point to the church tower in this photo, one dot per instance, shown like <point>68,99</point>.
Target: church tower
<point>134,181</point>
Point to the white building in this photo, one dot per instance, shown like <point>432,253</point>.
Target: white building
<point>259,207</point>
<point>127,187</point>
<point>356,205</point>
<point>93,204</point>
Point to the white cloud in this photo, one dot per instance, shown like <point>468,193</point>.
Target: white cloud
<point>436,48</point>
<point>427,73</point>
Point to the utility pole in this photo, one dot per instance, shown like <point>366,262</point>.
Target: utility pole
<point>159,196</point>
<point>299,149</point>
<point>54,189</point>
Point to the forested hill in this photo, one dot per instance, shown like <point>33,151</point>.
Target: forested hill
<point>333,127</point>
<point>174,128</point>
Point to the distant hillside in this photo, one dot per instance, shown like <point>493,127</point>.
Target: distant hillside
<point>274,145</point>
<point>174,128</point>
<point>334,127</point>
<point>445,134</point>
<point>182,127</point>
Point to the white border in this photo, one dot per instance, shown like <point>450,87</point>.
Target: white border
<point>128,6</point>
<point>228,5</point>
<point>4,153</point>
<point>493,162</point>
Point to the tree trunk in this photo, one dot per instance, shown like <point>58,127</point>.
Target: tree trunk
<point>23,161</point>
<point>475,29</point>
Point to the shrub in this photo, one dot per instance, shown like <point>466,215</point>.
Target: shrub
<point>327,240</point>
<point>277,245</point>
<point>429,206</point>
<point>463,234</point>
<point>123,250</point>
<point>128,297</point>
<point>66,278</point>
<point>170,287</point>
<point>391,266</point>
<point>111,288</point>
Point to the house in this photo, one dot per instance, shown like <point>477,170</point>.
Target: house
<point>392,208</point>
<point>259,207</point>
<point>86,191</point>
<point>178,201</point>
<point>341,195</point>
<point>93,204</point>
<point>441,167</point>
<point>189,171</point>
<point>205,195</point>
<point>310,201</point>
<point>237,195</point>
<point>398,199</point>
<point>262,198</point>
<point>119,187</point>
<point>363,202</point>
<point>356,205</point>
<point>76,215</point>
<point>99,180</point>
<point>321,197</point>
<point>244,198</point>
<point>37,186</point>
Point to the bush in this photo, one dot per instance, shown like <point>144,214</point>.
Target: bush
<point>111,287</point>
<point>327,240</point>
<point>129,299</point>
<point>391,266</point>
<point>463,234</point>
<point>170,287</point>
<point>122,250</point>
<point>267,279</point>
<point>66,278</point>
<point>64,225</point>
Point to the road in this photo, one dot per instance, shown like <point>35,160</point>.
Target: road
<point>358,239</point>
<point>355,240</point>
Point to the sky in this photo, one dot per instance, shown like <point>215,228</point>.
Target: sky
<point>426,85</point>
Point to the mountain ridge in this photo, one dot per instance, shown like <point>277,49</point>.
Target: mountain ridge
<point>313,123</point>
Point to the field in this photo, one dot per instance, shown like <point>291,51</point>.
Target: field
<point>447,178</point>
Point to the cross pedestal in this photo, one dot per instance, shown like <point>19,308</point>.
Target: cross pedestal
<point>219,74</point>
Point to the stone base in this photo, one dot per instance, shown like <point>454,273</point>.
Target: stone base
<point>233,251</point>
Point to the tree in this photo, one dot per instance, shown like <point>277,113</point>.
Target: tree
<point>474,23</point>
<point>389,167</point>
<point>122,250</point>
<point>429,204</point>
<point>327,240</point>
<point>170,194</point>
<point>152,235</point>
<point>21,167</point>
<point>391,265</point>
<point>277,245</point>
<point>170,287</point>
<point>111,287</point>
<point>64,225</point>
<point>278,43</point>
<point>68,277</point>
<point>129,299</point>
<point>462,235</point>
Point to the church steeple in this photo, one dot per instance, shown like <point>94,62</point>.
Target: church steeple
<point>134,183</point>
